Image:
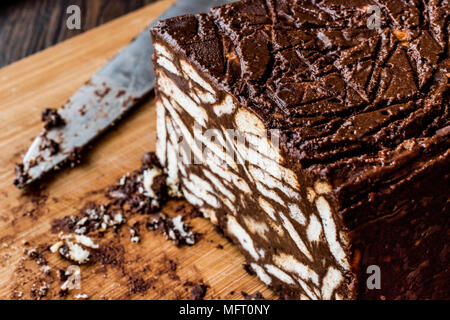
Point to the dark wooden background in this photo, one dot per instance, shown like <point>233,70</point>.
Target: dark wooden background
<point>28,26</point>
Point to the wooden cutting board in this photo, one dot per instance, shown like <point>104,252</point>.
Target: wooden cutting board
<point>138,271</point>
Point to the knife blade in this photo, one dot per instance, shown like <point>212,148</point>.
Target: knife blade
<point>101,102</point>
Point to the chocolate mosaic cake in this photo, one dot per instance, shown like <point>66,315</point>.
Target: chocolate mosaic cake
<point>340,189</point>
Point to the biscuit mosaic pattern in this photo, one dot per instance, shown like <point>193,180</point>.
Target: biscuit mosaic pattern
<point>361,173</point>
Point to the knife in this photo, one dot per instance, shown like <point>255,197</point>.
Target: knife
<point>101,102</point>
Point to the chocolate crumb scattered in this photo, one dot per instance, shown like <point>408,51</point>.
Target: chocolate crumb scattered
<point>134,234</point>
<point>63,293</point>
<point>254,296</point>
<point>248,269</point>
<point>198,292</point>
<point>174,229</point>
<point>21,176</point>
<point>144,190</point>
<point>173,265</point>
<point>138,285</point>
<point>149,160</point>
<point>75,248</point>
<point>63,276</point>
<point>66,224</point>
<point>188,212</point>
<point>35,200</point>
<point>112,255</point>
<point>36,255</point>
<point>64,252</point>
<point>93,217</point>
<point>39,290</point>
<point>219,246</point>
<point>188,284</point>
<point>52,119</point>
<point>75,157</point>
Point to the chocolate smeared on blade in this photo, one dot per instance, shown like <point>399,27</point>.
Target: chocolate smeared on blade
<point>52,119</point>
<point>21,176</point>
<point>108,96</point>
<point>75,156</point>
<point>49,145</point>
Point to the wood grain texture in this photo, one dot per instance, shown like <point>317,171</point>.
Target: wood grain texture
<point>28,26</point>
<point>48,79</point>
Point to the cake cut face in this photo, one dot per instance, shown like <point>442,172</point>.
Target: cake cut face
<point>316,135</point>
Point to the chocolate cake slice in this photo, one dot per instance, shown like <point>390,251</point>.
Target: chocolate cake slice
<point>315,133</point>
